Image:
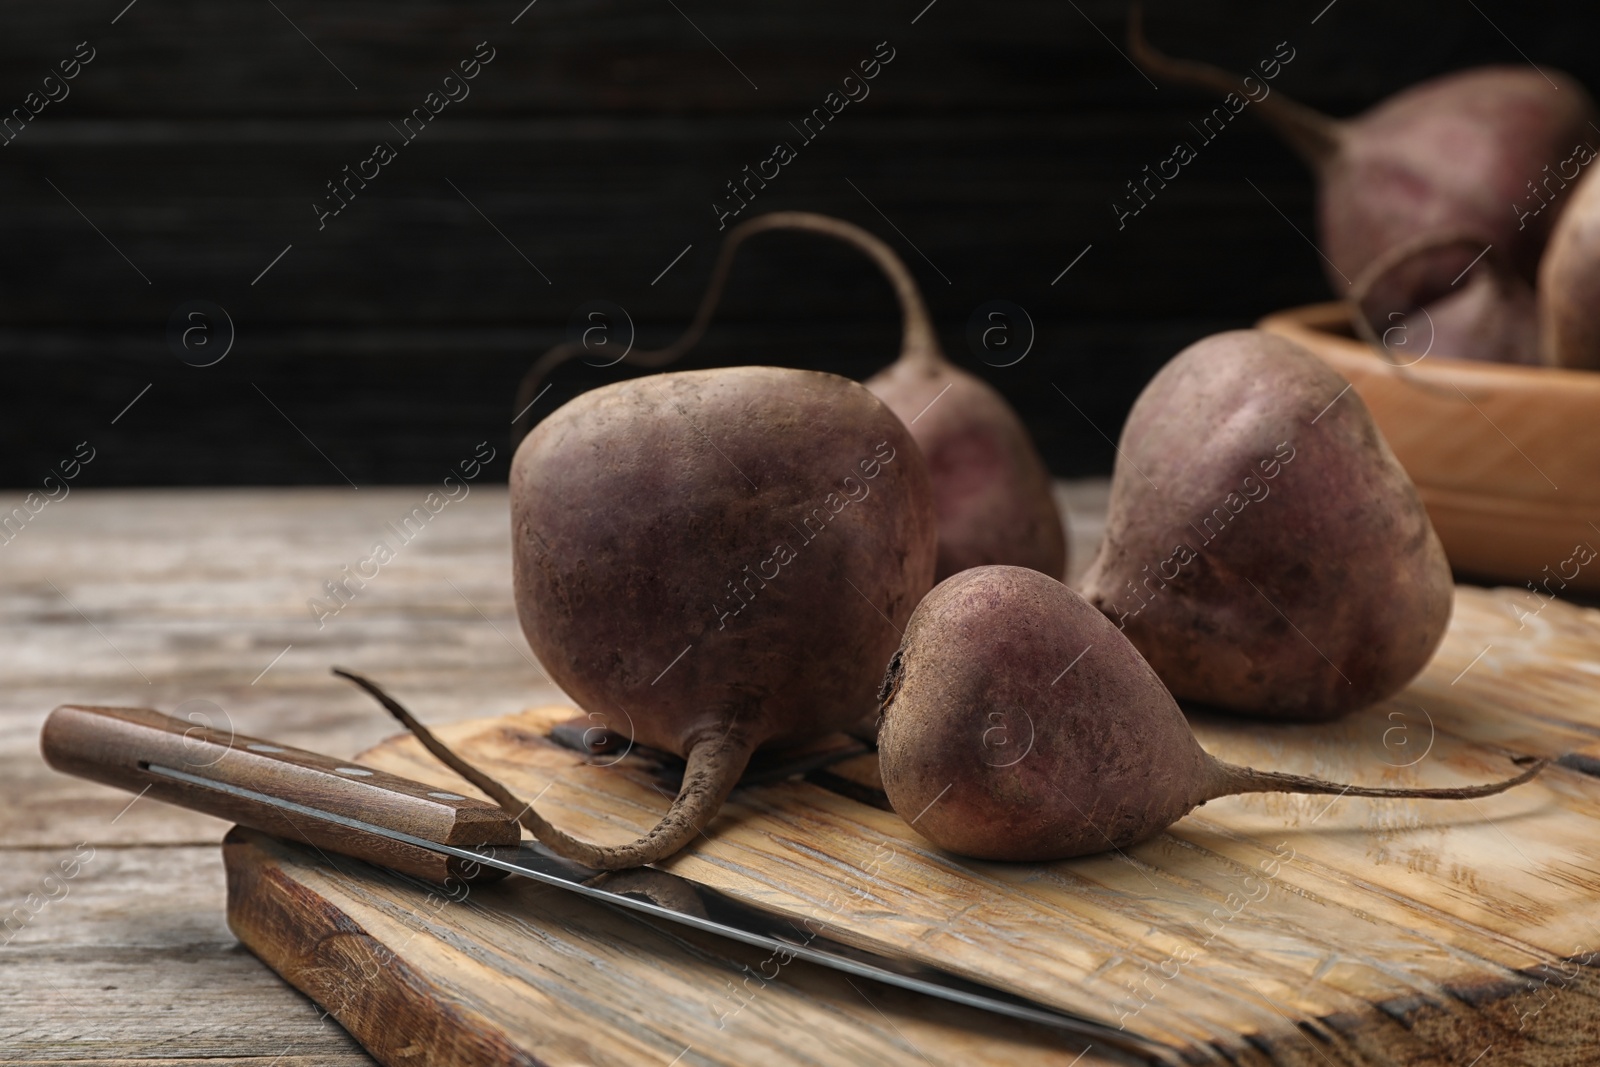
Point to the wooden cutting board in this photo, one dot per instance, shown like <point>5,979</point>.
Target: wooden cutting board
<point>1261,930</point>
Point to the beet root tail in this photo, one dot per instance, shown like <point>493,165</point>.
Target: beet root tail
<point>713,767</point>
<point>1315,137</point>
<point>1231,780</point>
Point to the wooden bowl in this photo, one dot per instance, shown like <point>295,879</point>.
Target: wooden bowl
<point>1507,458</point>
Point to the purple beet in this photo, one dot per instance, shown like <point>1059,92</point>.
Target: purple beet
<point>1569,283</point>
<point>1264,549</point>
<point>1482,151</point>
<point>1486,313</point>
<point>1018,724</point>
<point>727,557</point>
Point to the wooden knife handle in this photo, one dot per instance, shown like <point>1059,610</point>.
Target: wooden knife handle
<point>120,746</point>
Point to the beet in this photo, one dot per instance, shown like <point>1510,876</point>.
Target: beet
<point>1486,313</point>
<point>726,557</point>
<point>990,486</point>
<point>1264,549</point>
<point>1019,724</point>
<point>1569,283</point>
<point>1475,151</point>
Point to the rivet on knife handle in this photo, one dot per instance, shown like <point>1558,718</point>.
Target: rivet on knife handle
<point>279,790</point>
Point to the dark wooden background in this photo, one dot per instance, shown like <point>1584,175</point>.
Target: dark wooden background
<point>390,342</point>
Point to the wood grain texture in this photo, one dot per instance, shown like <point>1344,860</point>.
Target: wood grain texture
<point>204,594</point>
<point>1262,929</point>
<point>195,602</point>
<point>133,962</point>
<point>524,974</point>
<point>995,143</point>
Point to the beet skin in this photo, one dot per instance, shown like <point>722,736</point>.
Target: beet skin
<point>1018,724</point>
<point>716,561</point>
<point>1264,549</point>
<point>988,756</point>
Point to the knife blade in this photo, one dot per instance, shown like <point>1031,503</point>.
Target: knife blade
<point>438,835</point>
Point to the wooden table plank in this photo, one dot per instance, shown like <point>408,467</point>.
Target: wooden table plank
<point>130,960</point>
<point>201,591</point>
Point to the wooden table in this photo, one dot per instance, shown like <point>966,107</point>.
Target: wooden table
<point>195,602</point>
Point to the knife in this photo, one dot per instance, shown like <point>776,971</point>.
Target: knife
<point>438,835</point>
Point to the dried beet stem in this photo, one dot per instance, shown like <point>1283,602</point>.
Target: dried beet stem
<point>1315,136</point>
<point>919,343</point>
<point>1230,779</point>
<point>713,767</point>
<point>1397,256</point>
<point>1361,289</point>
